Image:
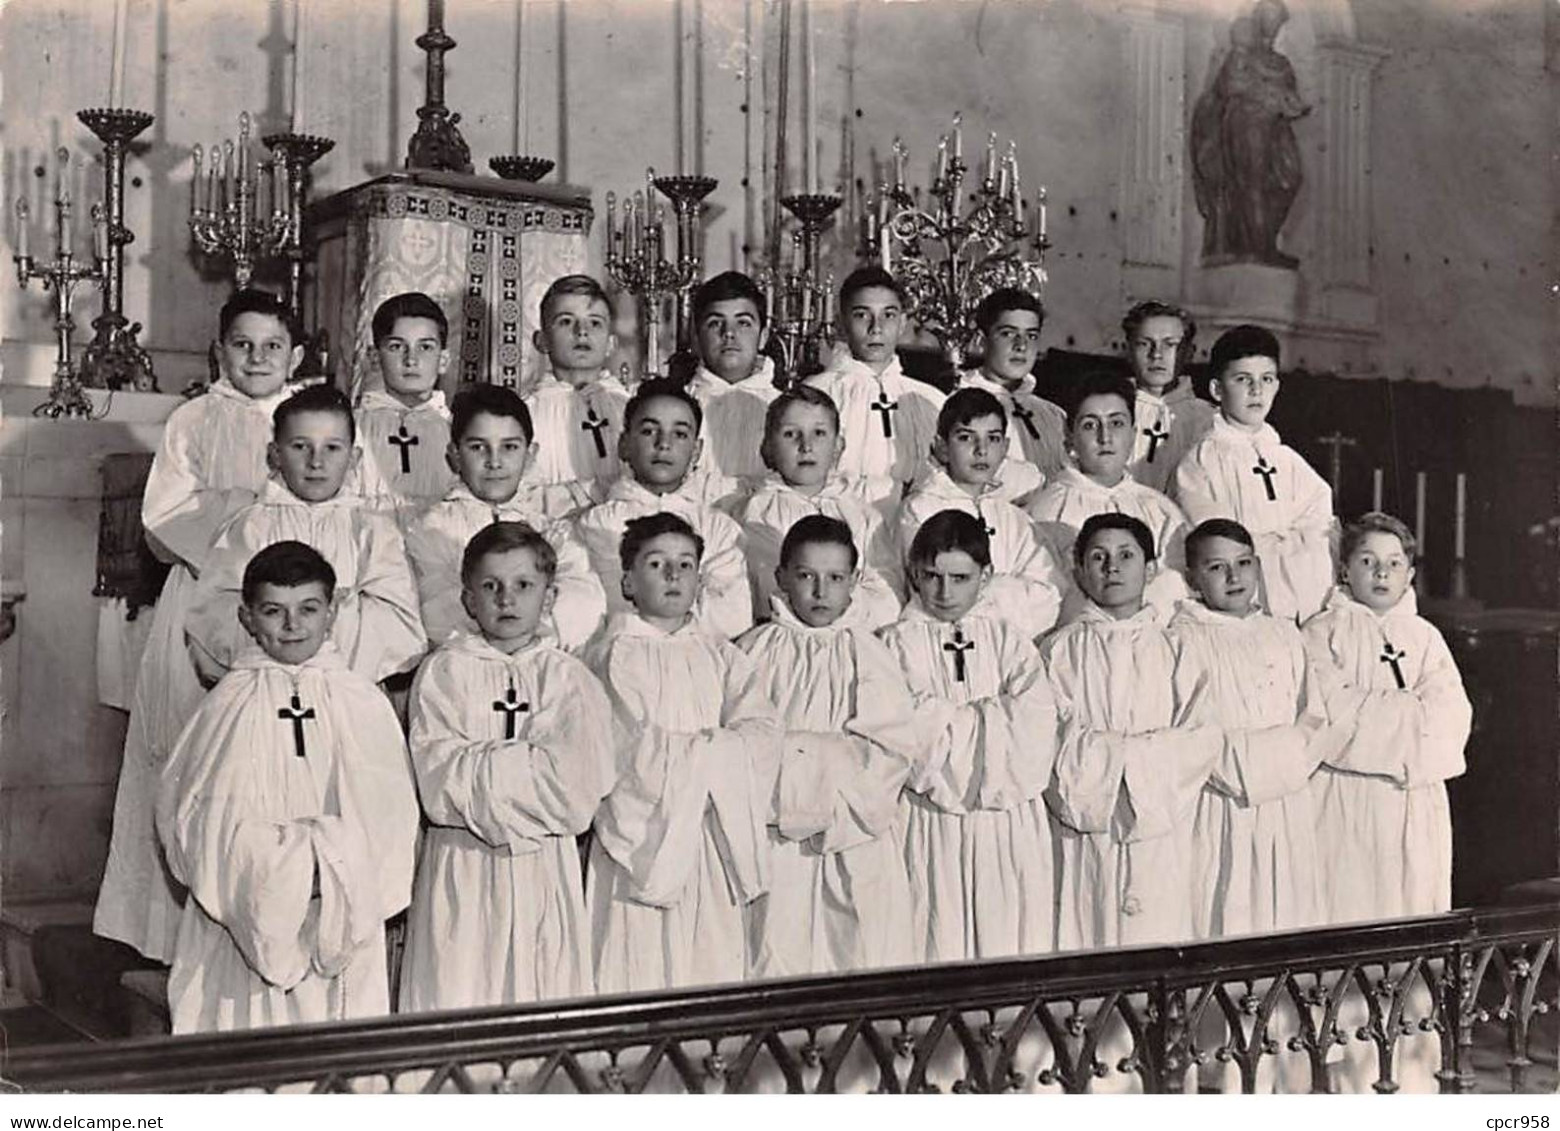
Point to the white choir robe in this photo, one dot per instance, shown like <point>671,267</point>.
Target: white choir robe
<point>1167,427</point>
<point>1128,779</point>
<point>889,448</point>
<point>209,464</point>
<point>977,841</point>
<point>1219,478</point>
<point>1027,579</point>
<point>1254,836</point>
<point>725,605</point>
<point>293,862</point>
<point>839,896</point>
<point>404,462</point>
<point>436,544</point>
<point>577,430</point>
<point>498,912</point>
<point>734,420</point>
<point>378,629</point>
<point>1060,509</point>
<point>1384,828</point>
<point>774,508</point>
<point>1037,428</point>
<point>681,845</point>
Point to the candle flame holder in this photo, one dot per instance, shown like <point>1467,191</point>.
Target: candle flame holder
<point>635,256</point>
<point>232,222</point>
<point>802,324</point>
<point>521,168</point>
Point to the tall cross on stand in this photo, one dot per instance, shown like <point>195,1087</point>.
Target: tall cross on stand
<point>883,406</point>
<point>1266,471</point>
<point>512,707</point>
<point>958,646</point>
<point>404,442</point>
<point>594,424</point>
<point>295,712</point>
<point>1028,417</point>
<point>1335,443</point>
<point>1157,435</point>
<point>1393,658</point>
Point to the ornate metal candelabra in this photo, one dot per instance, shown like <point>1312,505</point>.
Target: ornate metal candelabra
<point>437,144</point>
<point>243,215</point>
<point>636,259</point>
<point>801,298</point>
<point>61,273</point>
<point>949,257</point>
<point>687,195</point>
<point>114,359</point>
<point>295,153</point>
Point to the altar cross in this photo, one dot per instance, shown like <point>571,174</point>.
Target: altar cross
<point>1266,471</point>
<point>1156,436</point>
<point>594,424</point>
<point>957,647</point>
<point>1393,658</point>
<point>295,712</point>
<point>511,706</point>
<point>883,406</point>
<point>404,442</point>
<point>1028,417</point>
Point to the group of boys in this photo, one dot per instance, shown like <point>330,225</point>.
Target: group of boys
<point>717,680</point>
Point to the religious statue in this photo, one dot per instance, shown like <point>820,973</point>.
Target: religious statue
<point>1245,160</point>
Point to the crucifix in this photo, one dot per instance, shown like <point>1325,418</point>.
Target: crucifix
<point>958,646</point>
<point>1156,434</point>
<point>1392,657</point>
<point>1336,442</point>
<point>511,706</point>
<point>594,424</point>
<point>404,442</point>
<point>884,406</point>
<point>296,712</point>
<point>1028,417</point>
<point>1266,471</point>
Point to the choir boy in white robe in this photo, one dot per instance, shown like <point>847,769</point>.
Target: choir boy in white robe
<point>1242,470</point>
<point>680,846</point>
<point>210,462</point>
<point>1009,321</point>
<point>801,447</point>
<point>1170,417</point>
<point>1095,481</point>
<point>491,449</point>
<point>512,745</point>
<point>970,472</point>
<point>376,627</point>
<point>404,427</point>
<point>887,420</point>
<point>839,897</point>
<point>578,406</point>
<point>977,842</point>
<point>1129,773</point>
<point>289,810</point>
<point>1244,672</point>
<point>659,444</point>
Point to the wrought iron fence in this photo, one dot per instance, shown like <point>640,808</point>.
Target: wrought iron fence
<point>1383,1006</point>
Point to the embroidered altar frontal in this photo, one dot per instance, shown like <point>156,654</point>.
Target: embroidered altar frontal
<point>485,249</point>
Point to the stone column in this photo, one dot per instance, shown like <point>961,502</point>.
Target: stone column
<point>1341,182</point>
<point>1153,148</point>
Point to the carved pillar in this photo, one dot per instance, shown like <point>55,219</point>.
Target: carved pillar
<point>1342,182</point>
<point>1154,144</point>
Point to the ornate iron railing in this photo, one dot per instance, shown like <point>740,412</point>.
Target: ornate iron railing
<point>1390,1005</point>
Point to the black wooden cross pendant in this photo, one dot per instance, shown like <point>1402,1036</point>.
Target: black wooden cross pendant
<point>1028,417</point>
<point>883,406</point>
<point>1156,436</point>
<point>594,424</point>
<point>404,441</point>
<point>511,706</point>
<point>1393,657</point>
<point>296,712</point>
<point>1267,471</point>
<point>958,646</point>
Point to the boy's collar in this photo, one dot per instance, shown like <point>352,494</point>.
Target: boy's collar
<point>225,389</point>
<point>1407,605</point>
<point>978,378</point>
<point>275,492</point>
<point>1090,612</point>
<point>251,657</point>
<point>1225,430</point>
<point>848,366</point>
<point>385,399</point>
<point>1074,476</point>
<point>707,381</point>
<point>782,614</point>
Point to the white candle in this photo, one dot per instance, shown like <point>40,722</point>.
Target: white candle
<point>1419,511</point>
<point>899,164</point>
<point>99,245</point>
<point>942,158</point>
<point>1459,544</point>
<point>229,197</point>
<point>519,75</point>
<point>810,100</point>
<point>64,228</point>
<point>958,137</point>
<point>296,112</point>
<point>990,173</point>
<point>62,201</point>
<point>116,71</point>
<point>23,224</point>
<point>1375,489</point>
<point>197,154</point>
<point>1042,214</point>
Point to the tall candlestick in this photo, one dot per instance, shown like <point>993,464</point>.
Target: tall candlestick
<point>989,174</point>
<point>1375,489</point>
<point>1419,511</point>
<point>295,110</point>
<point>116,73</point>
<point>1041,223</point>
<point>958,137</point>
<point>899,165</point>
<point>942,158</point>
<point>810,100</point>
<point>229,197</point>
<point>23,225</point>
<point>1459,544</point>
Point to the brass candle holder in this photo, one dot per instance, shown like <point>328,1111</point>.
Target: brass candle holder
<point>636,260</point>
<point>687,193</point>
<point>801,299</point>
<point>246,214</point>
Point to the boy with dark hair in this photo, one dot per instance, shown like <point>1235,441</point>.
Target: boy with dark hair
<point>1009,321</point>
<point>735,382</point>
<point>1170,417</point>
<point>404,426</point>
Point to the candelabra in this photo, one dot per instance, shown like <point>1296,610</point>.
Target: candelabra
<point>61,273</point>
<point>687,195</point>
<point>437,144</point>
<point>949,257</point>
<point>636,259</point>
<point>114,359</point>
<point>800,299</point>
<point>296,153</point>
<point>229,215</point>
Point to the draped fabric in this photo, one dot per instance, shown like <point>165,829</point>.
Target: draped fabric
<point>1167,427</point>
<point>885,463</point>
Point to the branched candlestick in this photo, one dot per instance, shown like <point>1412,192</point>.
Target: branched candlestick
<point>437,144</point>
<point>636,261</point>
<point>687,195</point>
<point>245,214</point>
<point>114,359</point>
<point>800,299</point>
<point>295,153</point>
<point>948,257</point>
<point>61,274</point>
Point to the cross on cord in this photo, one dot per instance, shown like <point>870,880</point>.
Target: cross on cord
<point>1267,471</point>
<point>884,406</point>
<point>958,646</point>
<point>1028,417</point>
<point>1156,435</point>
<point>511,706</point>
<point>594,424</point>
<point>296,712</point>
<point>1391,657</point>
<point>404,441</point>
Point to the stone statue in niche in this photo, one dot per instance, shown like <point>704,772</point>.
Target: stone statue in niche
<point>1245,160</point>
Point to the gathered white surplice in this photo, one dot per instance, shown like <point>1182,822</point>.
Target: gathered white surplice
<point>378,630</point>
<point>1168,427</point>
<point>888,422</point>
<point>512,753</point>
<point>1254,839</point>
<point>1128,779</point>
<point>1027,578</point>
<point>577,430</point>
<point>725,604</point>
<point>681,845</point>
<point>1384,827</point>
<point>1037,428</point>
<point>209,464</point>
<point>839,896</point>
<point>777,506</point>
<point>289,810</point>
<point>1266,486</point>
<point>436,543</point>
<point>404,450</point>
<point>977,842</point>
<point>734,420</point>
